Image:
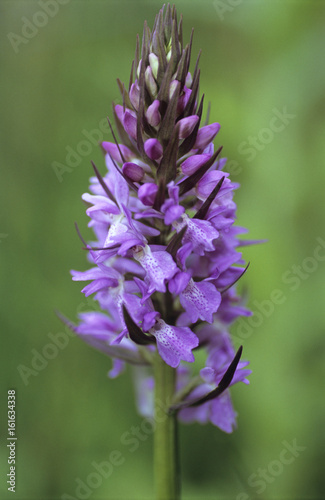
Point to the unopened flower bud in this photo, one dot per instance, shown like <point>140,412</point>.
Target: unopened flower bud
<point>150,82</point>
<point>119,112</point>
<point>139,68</point>
<point>186,126</point>
<point>133,171</point>
<point>205,135</point>
<point>188,80</point>
<point>134,95</point>
<point>130,123</point>
<point>172,87</point>
<point>153,149</point>
<point>153,115</point>
<point>183,100</point>
<point>193,163</point>
<point>154,64</point>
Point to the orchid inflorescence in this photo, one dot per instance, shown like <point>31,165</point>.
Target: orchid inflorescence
<point>165,259</point>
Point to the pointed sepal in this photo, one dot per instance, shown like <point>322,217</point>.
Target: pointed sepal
<point>176,242</point>
<point>135,332</point>
<point>222,386</point>
<point>201,213</point>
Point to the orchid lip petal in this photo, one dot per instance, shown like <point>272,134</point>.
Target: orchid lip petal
<point>159,266</point>
<point>174,343</point>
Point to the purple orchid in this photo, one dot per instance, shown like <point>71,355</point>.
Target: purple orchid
<point>165,260</point>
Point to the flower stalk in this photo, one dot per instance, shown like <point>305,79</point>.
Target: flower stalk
<point>166,466</point>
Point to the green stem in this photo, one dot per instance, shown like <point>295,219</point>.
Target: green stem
<point>165,439</point>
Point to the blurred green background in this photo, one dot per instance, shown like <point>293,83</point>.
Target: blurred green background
<point>260,59</point>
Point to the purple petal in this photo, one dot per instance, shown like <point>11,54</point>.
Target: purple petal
<point>120,112</point>
<point>93,274</point>
<point>174,343</point>
<point>99,284</point>
<point>200,413</point>
<point>241,374</point>
<point>124,266</point>
<point>205,135</point>
<point>100,203</point>
<point>134,95</point>
<point>147,193</point>
<point>116,228</point>
<point>90,274</point>
<point>209,181</point>
<point>130,123</point>
<point>200,300</point>
<point>184,252</point>
<point>152,114</point>
<point>120,188</point>
<point>220,222</point>
<point>127,241</point>
<point>149,319</point>
<point>113,150</point>
<point>150,212</point>
<point>159,267</point>
<point>200,233</point>
<point>179,282</point>
<point>173,213</point>
<point>144,290</point>
<point>96,324</point>
<point>173,192</point>
<point>221,163</point>
<point>153,149</point>
<point>186,125</point>
<point>222,413</point>
<point>193,163</point>
<point>229,276</point>
<point>208,375</point>
<point>145,230</point>
<point>133,171</point>
<point>183,99</point>
<point>136,308</point>
<point>117,368</point>
<point>218,411</point>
